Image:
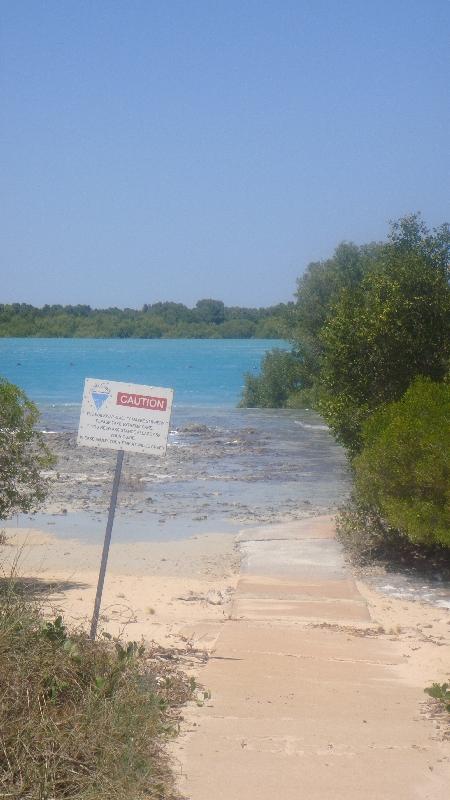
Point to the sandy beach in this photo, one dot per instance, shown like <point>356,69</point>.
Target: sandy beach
<point>152,589</point>
<point>174,560</point>
<point>159,590</point>
<point>197,597</point>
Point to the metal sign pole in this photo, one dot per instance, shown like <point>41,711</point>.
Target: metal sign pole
<point>106,543</point>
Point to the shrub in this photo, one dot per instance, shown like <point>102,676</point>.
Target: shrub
<point>441,692</point>
<point>82,719</point>
<point>23,453</point>
<point>382,336</point>
<point>308,397</point>
<point>404,467</point>
<point>365,535</point>
<point>279,377</point>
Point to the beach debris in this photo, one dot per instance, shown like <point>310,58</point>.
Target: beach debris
<point>214,597</point>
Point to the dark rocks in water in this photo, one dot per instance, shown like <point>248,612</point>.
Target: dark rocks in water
<point>195,427</point>
<point>207,474</point>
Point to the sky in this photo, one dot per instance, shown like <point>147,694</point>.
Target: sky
<point>183,149</point>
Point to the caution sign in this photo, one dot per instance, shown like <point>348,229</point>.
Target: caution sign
<point>125,416</point>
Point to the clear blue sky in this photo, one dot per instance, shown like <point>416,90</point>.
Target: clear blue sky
<point>212,148</point>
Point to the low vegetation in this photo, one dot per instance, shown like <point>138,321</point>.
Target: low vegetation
<point>441,692</point>
<point>81,719</point>
<point>281,378</point>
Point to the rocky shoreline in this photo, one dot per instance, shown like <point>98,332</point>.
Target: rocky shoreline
<point>207,473</point>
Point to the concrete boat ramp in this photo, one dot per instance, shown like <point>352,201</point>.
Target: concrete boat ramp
<point>305,703</point>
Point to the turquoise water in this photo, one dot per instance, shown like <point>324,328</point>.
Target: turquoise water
<point>203,372</point>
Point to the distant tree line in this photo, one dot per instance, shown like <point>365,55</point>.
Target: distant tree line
<point>370,333</point>
<point>209,319</point>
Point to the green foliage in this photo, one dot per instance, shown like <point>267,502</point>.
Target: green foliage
<point>278,379</point>
<point>23,453</point>
<point>271,328</point>
<point>391,328</point>
<point>318,289</point>
<point>209,319</point>
<point>301,323</point>
<point>410,233</point>
<point>404,467</point>
<point>240,329</point>
<point>83,719</point>
<point>364,534</point>
<point>210,311</point>
<point>304,397</point>
<point>366,322</point>
<point>441,692</point>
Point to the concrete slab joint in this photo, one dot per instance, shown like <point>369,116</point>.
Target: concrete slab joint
<point>301,708</point>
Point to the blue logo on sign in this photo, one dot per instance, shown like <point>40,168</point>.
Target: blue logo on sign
<point>99,398</point>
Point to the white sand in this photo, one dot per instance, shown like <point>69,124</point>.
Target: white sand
<point>152,589</point>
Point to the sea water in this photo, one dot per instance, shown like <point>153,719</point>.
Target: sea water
<point>203,372</point>
<point>229,466</point>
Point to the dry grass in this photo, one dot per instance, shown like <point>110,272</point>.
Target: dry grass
<point>80,719</point>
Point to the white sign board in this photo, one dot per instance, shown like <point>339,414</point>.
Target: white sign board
<point>125,416</point>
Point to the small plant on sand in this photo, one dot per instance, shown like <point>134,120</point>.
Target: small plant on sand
<point>441,692</point>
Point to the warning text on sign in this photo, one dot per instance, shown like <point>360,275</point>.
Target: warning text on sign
<point>141,401</point>
<point>125,416</point>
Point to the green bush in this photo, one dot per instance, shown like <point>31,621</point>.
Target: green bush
<point>393,328</point>
<point>365,535</point>
<point>441,692</point>
<point>278,379</point>
<point>23,453</point>
<point>308,397</point>
<point>404,467</point>
<point>237,329</point>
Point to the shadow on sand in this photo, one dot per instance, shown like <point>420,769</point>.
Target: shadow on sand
<point>33,588</point>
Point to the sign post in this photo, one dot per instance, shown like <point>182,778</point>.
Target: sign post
<point>106,543</point>
<point>127,418</point>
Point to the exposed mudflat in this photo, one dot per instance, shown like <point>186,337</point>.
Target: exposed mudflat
<point>215,476</point>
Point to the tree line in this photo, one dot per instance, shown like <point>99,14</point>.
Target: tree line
<point>209,319</point>
<point>370,333</point>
